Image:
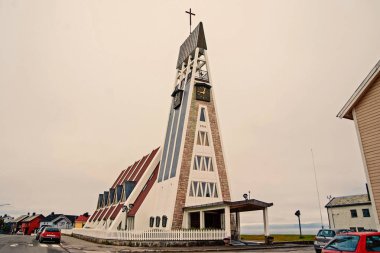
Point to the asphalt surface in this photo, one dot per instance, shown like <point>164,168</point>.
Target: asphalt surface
<point>27,244</point>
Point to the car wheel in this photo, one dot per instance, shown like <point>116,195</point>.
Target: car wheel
<point>318,250</point>
<point>40,240</point>
<point>58,241</point>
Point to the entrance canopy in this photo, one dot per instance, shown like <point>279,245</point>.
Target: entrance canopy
<point>225,215</point>
<point>235,206</point>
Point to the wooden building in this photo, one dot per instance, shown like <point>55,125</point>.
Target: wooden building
<point>364,109</point>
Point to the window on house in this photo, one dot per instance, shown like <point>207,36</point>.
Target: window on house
<point>366,212</point>
<point>151,222</point>
<point>158,220</point>
<point>164,221</point>
<point>354,213</point>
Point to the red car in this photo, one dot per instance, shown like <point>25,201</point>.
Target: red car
<point>50,234</point>
<point>360,242</point>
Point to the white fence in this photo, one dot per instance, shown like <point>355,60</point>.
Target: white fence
<point>150,235</point>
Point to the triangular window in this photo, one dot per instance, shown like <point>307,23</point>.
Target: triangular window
<point>203,188</point>
<point>207,159</point>
<point>208,190</point>
<point>211,167</point>
<point>215,192</point>
<point>203,115</point>
<point>191,194</point>
<point>199,158</point>
<point>199,140</point>
<point>195,163</point>
<point>212,186</point>
<point>206,140</point>
<point>199,190</point>
<point>195,184</point>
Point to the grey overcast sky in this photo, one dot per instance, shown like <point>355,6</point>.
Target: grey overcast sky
<point>85,91</point>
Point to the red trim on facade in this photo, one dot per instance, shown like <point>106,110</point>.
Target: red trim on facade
<point>132,176</point>
<point>117,180</point>
<point>102,214</point>
<point>130,171</point>
<point>147,163</point>
<point>140,199</point>
<point>121,178</point>
<point>116,212</point>
<point>109,212</point>
<point>97,215</point>
<point>93,216</point>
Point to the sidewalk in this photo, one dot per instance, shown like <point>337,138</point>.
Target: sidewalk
<point>74,245</point>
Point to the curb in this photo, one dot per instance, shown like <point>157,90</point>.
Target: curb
<point>228,248</point>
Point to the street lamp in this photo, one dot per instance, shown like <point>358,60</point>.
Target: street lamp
<point>298,214</point>
<point>125,209</point>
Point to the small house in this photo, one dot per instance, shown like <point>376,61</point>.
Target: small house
<point>81,220</point>
<point>30,224</point>
<point>351,212</point>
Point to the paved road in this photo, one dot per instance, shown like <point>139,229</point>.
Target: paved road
<point>26,244</point>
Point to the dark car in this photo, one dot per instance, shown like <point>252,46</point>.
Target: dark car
<point>324,236</point>
<point>358,242</point>
<point>50,234</point>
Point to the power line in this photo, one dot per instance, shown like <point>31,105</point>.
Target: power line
<point>316,185</point>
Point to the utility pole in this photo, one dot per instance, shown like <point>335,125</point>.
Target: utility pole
<point>316,185</point>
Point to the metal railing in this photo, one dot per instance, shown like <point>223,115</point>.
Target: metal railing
<point>151,235</point>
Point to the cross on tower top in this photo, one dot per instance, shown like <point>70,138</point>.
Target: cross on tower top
<point>190,14</point>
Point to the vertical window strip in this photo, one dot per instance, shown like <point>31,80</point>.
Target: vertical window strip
<point>202,116</point>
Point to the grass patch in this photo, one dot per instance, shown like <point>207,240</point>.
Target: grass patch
<point>279,238</point>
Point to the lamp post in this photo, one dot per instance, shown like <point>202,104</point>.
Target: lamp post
<point>126,209</point>
<point>298,214</point>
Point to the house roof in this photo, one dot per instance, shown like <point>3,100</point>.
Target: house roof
<point>346,111</point>
<point>81,218</point>
<point>20,218</point>
<point>72,218</point>
<point>50,217</point>
<point>53,217</point>
<point>353,200</point>
<point>30,218</point>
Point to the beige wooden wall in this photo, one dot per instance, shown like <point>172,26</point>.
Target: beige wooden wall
<point>367,117</point>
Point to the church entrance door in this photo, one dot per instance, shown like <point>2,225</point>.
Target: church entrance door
<point>213,219</point>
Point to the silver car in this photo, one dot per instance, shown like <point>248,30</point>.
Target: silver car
<point>324,236</point>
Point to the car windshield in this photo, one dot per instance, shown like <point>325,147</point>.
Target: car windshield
<point>52,230</point>
<point>326,233</point>
<point>373,243</point>
<point>343,243</point>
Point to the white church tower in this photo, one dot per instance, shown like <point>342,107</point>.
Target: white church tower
<point>192,169</point>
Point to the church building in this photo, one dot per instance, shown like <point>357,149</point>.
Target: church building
<point>183,184</point>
